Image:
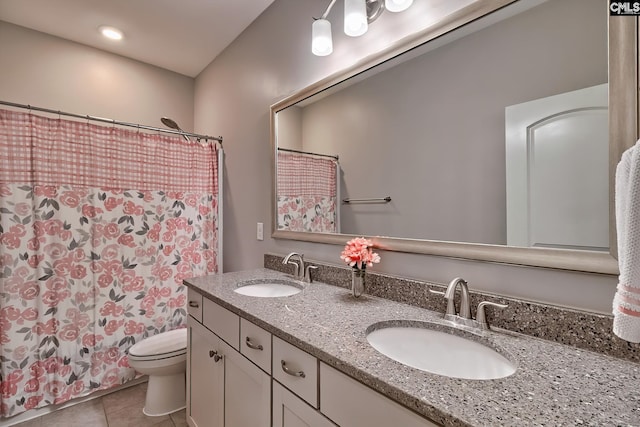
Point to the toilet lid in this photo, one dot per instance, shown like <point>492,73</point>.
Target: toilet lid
<point>162,343</point>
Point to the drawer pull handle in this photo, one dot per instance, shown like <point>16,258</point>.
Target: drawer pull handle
<point>290,372</point>
<point>252,345</point>
<point>194,304</point>
<point>215,355</point>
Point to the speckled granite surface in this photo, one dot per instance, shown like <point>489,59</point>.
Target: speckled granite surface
<point>589,331</point>
<point>554,384</point>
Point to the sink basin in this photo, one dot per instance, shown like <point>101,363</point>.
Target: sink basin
<point>439,349</point>
<point>268,288</point>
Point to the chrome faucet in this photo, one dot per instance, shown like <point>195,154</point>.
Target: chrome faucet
<point>450,295</point>
<point>301,271</point>
<point>463,317</point>
<point>299,266</point>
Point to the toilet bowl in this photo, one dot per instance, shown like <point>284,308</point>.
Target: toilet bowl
<point>163,357</point>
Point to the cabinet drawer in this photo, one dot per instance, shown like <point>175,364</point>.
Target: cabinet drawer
<point>296,370</point>
<point>194,304</point>
<point>222,322</point>
<point>365,407</point>
<point>255,344</point>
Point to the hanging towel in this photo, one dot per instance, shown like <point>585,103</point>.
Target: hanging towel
<point>626,303</point>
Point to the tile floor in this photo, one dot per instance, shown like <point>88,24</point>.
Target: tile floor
<point>120,409</point>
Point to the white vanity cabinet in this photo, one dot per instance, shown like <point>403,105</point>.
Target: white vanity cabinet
<point>247,392</point>
<point>205,378</point>
<point>291,411</point>
<point>351,404</point>
<point>224,388</point>
<point>239,375</point>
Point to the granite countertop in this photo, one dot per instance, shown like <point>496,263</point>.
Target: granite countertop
<point>554,385</point>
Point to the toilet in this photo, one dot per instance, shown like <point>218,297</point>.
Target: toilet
<point>163,357</point>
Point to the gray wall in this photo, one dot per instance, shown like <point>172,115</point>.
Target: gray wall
<point>271,60</point>
<point>46,71</point>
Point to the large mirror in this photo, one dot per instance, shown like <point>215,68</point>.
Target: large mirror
<point>495,141</point>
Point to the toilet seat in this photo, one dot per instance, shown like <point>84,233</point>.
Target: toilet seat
<point>161,346</point>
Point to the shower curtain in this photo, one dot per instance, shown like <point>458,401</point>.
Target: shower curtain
<point>307,193</point>
<point>98,228</point>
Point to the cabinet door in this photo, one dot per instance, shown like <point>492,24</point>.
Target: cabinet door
<point>205,375</point>
<point>352,404</point>
<point>247,392</point>
<point>291,411</point>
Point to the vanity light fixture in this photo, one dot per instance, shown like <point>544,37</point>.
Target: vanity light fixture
<point>358,14</point>
<point>112,33</point>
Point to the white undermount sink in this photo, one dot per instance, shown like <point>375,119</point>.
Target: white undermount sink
<point>268,288</point>
<point>441,352</point>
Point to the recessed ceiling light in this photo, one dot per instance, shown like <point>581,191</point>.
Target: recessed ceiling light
<point>111,33</point>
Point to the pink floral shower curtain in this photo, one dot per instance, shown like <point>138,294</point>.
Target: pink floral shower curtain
<point>307,193</point>
<point>98,228</point>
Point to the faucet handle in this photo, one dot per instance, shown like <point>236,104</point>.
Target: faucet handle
<point>436,292</point>
<point>481,317</point>
<point>307,272</point>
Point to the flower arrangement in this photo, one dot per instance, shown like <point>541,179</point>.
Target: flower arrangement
<point>358,253</point>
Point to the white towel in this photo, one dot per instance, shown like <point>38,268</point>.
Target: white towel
<point>626,303</point>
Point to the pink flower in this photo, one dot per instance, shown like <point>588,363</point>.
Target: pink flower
<point>131,208</point>
<point>111,203</point>
<point>20,352</point>
<point>165,273</point>
<point>29,291</point>
<point>191,200</point>
<point>45,190</point>
<point>22,209</point>
<point>110,378</point>
<point>52,364</point>
<point>112,326</point>
<point>126,240</point>
<point>32,402</point>
<point>55,250</point>
<point>31,386</point>
<point>176,302</point>
<point>132,327</point>
<point>110,252</point>
<point>78,272</point>
<point>30,314</point>
<point>90,340</point>
<point>105,280</point>
<point>34,260</point>
<point>5,190</point>
<point>110,308</point>
<point>111,230</point>
<point>91,211</point>
<point>70,198</point>
<point>49,328</point>
<point>69,332</point>
<point>358,253</point>
<point>111,355</point>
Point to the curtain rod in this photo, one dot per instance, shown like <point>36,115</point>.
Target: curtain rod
<point>307,152</point>
<point>114,122</point>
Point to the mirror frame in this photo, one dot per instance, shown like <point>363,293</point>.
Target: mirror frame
<point>623,133</point>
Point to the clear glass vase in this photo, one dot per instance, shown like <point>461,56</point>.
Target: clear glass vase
<point>358,281</point>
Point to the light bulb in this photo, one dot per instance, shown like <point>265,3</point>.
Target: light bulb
<point>110,32</point>
<point>397,5</point>
<point>321,42</point>
<point>355,17</point>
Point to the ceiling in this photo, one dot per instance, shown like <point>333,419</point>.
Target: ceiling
<point>179,35</point>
